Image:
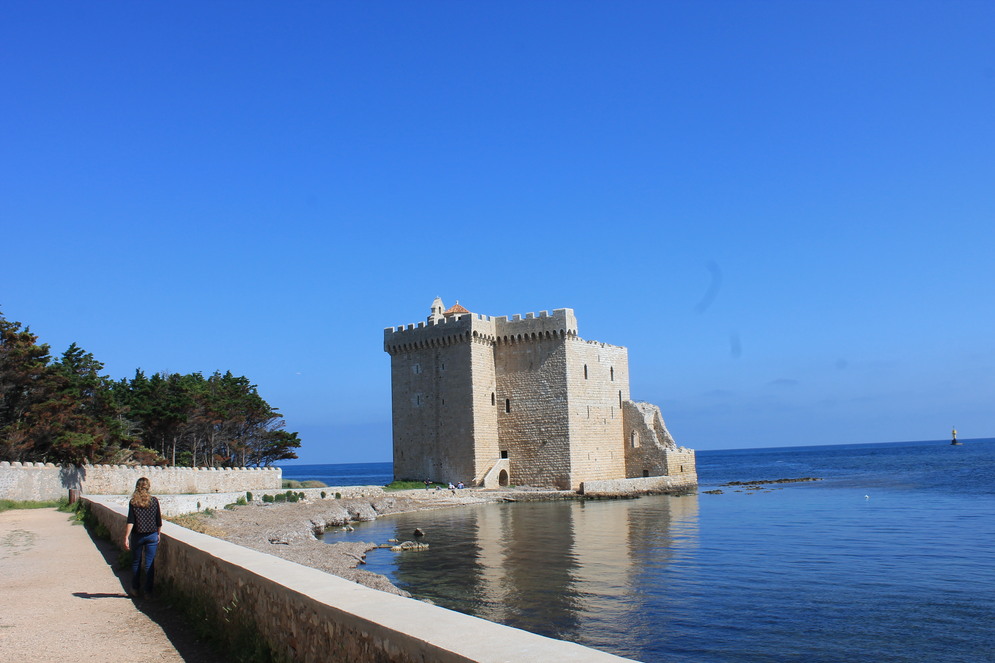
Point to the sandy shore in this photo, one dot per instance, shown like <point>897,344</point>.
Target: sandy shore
<point>290,530</point>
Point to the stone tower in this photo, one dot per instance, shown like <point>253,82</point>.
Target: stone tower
<point>492,401</point>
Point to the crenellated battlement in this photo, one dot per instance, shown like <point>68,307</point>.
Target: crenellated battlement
<point>145,468</point>
<point>444,332</point>
<point>562,323</point>
<point>426,324</point>
<point>480,328</point>
<point>602,345</point>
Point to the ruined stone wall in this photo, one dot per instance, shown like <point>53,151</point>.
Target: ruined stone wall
<point>45,481</point>
<point>598,385</point>
<point>682,466</point>
<point>646,440</point>
<point>650,450</point>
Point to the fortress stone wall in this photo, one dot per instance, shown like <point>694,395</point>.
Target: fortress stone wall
<point>45,481</point>
<point>524,396</point>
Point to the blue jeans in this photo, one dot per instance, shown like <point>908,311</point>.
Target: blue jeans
<point>145,544</point>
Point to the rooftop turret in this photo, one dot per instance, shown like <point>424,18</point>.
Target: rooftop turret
<point>438,309</point>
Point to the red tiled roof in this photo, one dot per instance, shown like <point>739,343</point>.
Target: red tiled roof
<point>455,308</point>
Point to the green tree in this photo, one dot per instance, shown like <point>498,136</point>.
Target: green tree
<point>25,382</point>
<point>67,411</point>
<point>79,422</point>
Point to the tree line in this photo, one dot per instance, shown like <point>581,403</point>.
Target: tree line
<point>63,410</point>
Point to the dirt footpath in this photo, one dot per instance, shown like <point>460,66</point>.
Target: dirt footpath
<point>60,599</point>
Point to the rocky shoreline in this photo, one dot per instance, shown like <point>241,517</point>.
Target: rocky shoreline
<point>291,530</point>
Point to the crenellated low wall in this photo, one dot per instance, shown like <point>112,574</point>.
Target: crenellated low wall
<point>45,481</point>
<point>302,614</point>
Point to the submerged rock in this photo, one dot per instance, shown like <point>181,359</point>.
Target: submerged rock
<point>763,482</point>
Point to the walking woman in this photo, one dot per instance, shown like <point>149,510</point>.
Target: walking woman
<point>141,535</point>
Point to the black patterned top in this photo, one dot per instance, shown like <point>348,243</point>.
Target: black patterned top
<point>146,519</point>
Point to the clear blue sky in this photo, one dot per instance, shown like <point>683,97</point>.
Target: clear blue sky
<point>785,210</point>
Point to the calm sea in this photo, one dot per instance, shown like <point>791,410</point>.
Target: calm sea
<point>351,474</point>
<point>890,558</point>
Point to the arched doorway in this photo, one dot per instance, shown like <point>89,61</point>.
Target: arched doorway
<point>503,478</point>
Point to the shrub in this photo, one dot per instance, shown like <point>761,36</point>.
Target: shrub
<point>123,560</point>
<point>280,497</point>
<point>79,512</point>
<point>312,484</point>
<point>338,496</point>
<point>241,501</point>
<point>324,494</point>
<point>290,483</point>
<point>248,497</point>
<point>268,498</point>
<point>292,496</point>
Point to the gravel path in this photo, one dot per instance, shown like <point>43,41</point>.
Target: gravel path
<point>61,600</point>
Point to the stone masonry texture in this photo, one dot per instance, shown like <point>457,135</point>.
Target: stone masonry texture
<point>45,481</point>
<point>472,393</point>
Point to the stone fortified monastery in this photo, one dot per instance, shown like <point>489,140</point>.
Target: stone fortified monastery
<point>526,401</point>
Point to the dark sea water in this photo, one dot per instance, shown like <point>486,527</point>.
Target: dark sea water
<point>890,558</point>
<point>351,474</point>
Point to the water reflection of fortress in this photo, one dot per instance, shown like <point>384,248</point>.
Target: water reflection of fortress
<point>555,567</point>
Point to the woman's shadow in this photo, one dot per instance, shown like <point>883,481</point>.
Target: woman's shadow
<point>168,616</point>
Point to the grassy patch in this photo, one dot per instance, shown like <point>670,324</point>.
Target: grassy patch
<point>197,522</point>
<point>10,505</point>
<point>411,485</point>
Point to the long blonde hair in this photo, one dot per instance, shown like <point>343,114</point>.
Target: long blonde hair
<point>141,496</point>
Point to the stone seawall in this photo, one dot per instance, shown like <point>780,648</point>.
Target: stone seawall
<point>45,481</point>
<point>639,486</point>
<point>302,614</point>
